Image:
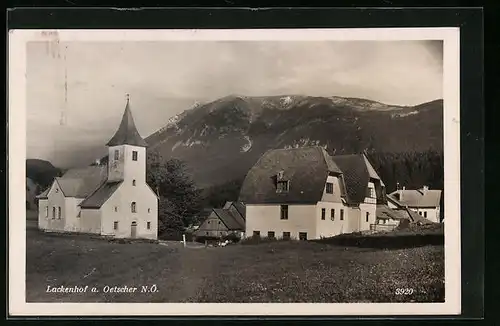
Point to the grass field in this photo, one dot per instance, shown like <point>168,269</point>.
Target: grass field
<point>266,272</point>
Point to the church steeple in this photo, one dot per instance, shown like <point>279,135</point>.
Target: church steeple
<point>127,133</point>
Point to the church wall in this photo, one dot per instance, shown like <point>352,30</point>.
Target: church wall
<point>43,205</point>
<point>56,204</point>
<point>90,221</point>
<point>118,208</point>
<point>72,211</point>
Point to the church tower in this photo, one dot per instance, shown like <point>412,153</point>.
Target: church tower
<point>127,152</point>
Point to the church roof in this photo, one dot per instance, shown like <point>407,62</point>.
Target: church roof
<point>127,133</point>
<point>79,182</point>
<point>101,195</point>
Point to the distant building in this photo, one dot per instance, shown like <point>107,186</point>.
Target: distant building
<point>224,221</point>
<point>424,201</point>
<point>304,193</point>
<point>112,200</point>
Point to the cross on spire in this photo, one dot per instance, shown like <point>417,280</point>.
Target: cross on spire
<point>127,133</point>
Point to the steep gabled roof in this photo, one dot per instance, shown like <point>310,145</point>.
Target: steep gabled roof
<point>240,207</point>
<point>230,220</point>
<point>79,182</point>
<point>384,212</point>
<point>416,198</point>
<point>306,168</point>
<point>101,195</point>
<point>357,172</point>
<point>44,194</point>
<point>127,133</point>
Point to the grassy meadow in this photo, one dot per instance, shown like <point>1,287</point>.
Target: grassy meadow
<point>276,271</point>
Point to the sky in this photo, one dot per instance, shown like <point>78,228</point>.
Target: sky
<point>165,78</point>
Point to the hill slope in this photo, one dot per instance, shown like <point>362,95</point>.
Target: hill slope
<point>41,172</point>
<point>221,140</point>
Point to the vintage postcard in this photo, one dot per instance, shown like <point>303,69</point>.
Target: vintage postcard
<point>234,172</point>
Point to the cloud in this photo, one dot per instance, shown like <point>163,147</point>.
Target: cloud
<point>165,78</point>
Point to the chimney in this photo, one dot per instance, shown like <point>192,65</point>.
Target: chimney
<point>401,193</point>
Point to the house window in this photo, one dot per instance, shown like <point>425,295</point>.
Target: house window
<point>303,236</point>
<point>148,225</point>
<point>208,222</point>
<point>341,214</point>
<point>256,233</point>
<point>218,222</point>
<point>282,186</point>
<point>79,214</point>
<point>117,154</point>
<point>115,225</point>
<point>370,192</point>
<point>332,214</point>
<point>59,212</point>
<point>47,211</point>
<point>134,155</point>
<point>284,212</point>
<point>286,235</point>
<point>116,208</point>
<point>367,214</point>
<point>149,210</point>
<point>270,234</point>
<point>425,214</point>
<point>53,212</point>
<point>133,207</point>
<point>206,233</point>
<point>323,213</point>
<point>133,182</point>
<point>329,188</point>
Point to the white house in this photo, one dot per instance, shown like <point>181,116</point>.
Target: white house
<point>112,200</point>
<point>424,201</point>
<point>305,193</point>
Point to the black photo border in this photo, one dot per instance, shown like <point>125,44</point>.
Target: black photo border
<point>470,22</point>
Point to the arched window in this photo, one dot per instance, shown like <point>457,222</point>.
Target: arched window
<point>133,207</point>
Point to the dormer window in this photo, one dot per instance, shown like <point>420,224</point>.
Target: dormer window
<point>370,192</point>
<point>329,188</point>
<point>282,186</point>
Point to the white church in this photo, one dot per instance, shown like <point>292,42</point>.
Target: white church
<point>112,200</point>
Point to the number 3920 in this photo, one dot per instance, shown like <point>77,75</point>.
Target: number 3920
<point>404,291</point>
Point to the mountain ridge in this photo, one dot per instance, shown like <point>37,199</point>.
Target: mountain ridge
<point>221,140</point>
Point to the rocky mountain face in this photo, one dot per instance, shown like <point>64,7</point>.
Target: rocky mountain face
<point>221,140</point>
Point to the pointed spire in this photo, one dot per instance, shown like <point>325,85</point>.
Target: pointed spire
<point>127,133</point>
